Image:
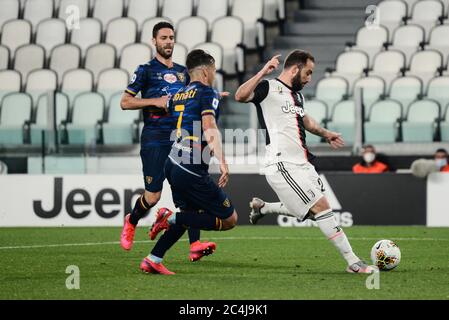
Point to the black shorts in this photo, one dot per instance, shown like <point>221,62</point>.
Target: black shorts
<point>153,160</point>
<point>192,191</point>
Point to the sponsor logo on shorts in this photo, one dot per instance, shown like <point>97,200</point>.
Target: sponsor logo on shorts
<point>149,179</point>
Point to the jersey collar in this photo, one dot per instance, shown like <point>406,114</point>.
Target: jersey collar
<point>290,88</point>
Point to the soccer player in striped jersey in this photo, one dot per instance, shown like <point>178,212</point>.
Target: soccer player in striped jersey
<point>280,109</point>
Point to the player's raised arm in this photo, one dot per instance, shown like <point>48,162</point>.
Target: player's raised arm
<point>213,138</point>
<point>333,138</point>
<point>245,92</point>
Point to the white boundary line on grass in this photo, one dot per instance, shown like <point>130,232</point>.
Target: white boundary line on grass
<point>209,238</point>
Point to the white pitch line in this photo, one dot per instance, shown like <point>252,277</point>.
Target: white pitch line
<point>209,238</point>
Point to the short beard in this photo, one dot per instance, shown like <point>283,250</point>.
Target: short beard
<point>161,51</point>
<point>296,82</point>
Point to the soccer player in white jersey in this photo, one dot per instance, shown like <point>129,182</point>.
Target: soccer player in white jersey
<point>280,109</point>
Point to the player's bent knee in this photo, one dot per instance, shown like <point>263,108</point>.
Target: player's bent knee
<point>321,205</point>
<point>152,198</point>
<point>230,222</point>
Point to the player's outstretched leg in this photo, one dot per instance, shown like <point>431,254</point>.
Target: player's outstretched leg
<point>260,208</point>
<point>330,228</point>
<point>165,217</point>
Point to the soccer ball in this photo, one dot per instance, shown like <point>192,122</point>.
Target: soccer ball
<point>385,255</point>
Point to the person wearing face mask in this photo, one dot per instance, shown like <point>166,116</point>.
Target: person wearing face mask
<point>441,160</point>
<point>369,163</point>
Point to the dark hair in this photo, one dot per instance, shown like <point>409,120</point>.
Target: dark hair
<point>366,146</point>
<point>441,150</point>
<point>161,25</point>
<point>298,57</point>
<point>197,58</point>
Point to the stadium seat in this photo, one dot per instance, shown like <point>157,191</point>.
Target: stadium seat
<point>10,81</point>
<point>228,32</point>
<point>370,41</point>
<point>180,54</point>
<point>372,89</point>
<point>107,10</point>
<point>36,11</point>
<point>63,58</point>
<point>147,29</point>
<point>10,11</point>
<point>438,90</point>
<point>425,65</point>
<point>77,81</point>
<point>350,65</point>
<point>87,35</point>
<point>134,55</point>
<point>426,14</point>
<point>40,122</point>
<point>50,33</point>
<point>216,51</point>
<point>406,90</point>
<point>111,81</point>
<point>121,32</point>
<point>39,82</point>
<point>383,124</point>
<point>28,58</point>
<point>212,10</point>
<point>273,10</point>
<point>100,57</point>
<point>410,4</point>
<point>331,90</point>
<point>318,111</point>
<point>120,127</point>
<point>251,13</point>
<point>4,57</point>
<point>420,125</point>
<point>343,120</point>
<point>444,125</point>
<point>15,112</point>
<point>66,8</point>
<point>392,13</point>
<point>140,10</point>
<point>87,112</point>
<point>16,33</point>
<point>439,40</point>
<point>175,10</point>
<point>185,35</point>
<point>407,39</point>
<point>388,65</point>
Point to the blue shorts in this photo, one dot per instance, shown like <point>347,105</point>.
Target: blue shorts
<point>192,191</point>
<point>153,160</point>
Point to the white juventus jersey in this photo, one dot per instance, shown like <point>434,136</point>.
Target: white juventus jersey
<point>281,111</point>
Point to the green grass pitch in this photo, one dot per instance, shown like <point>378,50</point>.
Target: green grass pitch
<point>251,262</point>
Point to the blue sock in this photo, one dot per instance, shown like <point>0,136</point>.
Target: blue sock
<point>154,259</point>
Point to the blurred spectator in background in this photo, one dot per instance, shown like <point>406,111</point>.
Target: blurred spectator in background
<point>369,164</point>
<point>441,159</point>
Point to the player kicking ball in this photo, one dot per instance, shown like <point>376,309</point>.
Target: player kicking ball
<point>202,203</point>
<point>280,106</point>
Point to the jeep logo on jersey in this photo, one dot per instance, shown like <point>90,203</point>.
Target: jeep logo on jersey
<point>170,78</point>
<point>290,108</point>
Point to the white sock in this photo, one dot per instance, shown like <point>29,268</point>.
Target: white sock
<point>328,225</point>
<point>275,208</point>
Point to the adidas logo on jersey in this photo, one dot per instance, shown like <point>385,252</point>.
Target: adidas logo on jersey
<point>290,108</point>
